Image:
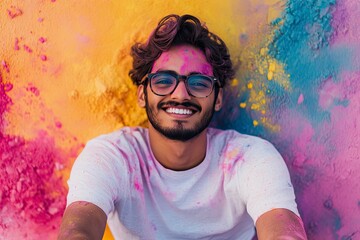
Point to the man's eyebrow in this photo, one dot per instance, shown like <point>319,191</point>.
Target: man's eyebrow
<point>165,70</point>
<point>192,73</point>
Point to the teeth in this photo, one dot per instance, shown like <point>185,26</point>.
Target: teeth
<point>179,111</point>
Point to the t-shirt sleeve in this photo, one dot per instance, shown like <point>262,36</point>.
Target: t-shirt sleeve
<point>265,181</point>
<point>97,176</point>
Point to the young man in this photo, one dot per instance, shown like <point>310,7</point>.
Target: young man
<point>179,179</point>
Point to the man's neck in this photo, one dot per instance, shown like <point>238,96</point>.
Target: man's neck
<point>178,155</point>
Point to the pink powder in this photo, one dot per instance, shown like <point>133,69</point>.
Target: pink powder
<point>14,12</point>
<point>5,101</point>
<point>300,99</point>
<point>32,198</point>
<point>42,39</point>
<point>16,45</point>
<point>328,94</point>
<point>27,177</point>
<point>324,160</point>
<point>43,57</point>
<point>138,186</point>
<point>7,87</point>
<point>58,124</point>
<point>5,66</point>
<point>40,19</point>
<point>33,89</point>
<point>232,155</point>
<point>207,69</point>
<point>27,48</point>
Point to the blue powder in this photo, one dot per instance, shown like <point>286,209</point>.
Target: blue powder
<point>301,43</point>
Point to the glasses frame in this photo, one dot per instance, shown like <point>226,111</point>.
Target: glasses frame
<point>215,82</point>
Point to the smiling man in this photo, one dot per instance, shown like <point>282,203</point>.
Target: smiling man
<point>180,179</point>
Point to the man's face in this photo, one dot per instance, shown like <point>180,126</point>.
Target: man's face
<point>178,115</point>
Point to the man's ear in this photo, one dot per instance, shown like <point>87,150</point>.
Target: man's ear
<point>141,96</point>
<point>219,100</point>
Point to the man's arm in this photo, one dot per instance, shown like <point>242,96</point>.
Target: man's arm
<point>280,224</point>
<point>82,220</point>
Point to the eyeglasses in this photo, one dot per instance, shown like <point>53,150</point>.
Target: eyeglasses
<point>197,85</point>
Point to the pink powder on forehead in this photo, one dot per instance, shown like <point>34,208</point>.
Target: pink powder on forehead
<point>207,69</point>
<point>164,58</point>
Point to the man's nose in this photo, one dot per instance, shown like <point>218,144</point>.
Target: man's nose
<point>181,92</point>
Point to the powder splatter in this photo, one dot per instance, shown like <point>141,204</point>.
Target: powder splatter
<point>14,12</point>
<point>31,187</point>
<point>5,66</point>
<point>42,39</point>
<point>43,57</point>
<point>27,48</point>
<point>16,45</point>
<point>31,183</point>
<point>5,100</point>
<point>33,89</point>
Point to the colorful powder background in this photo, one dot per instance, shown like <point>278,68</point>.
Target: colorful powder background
<point>63,81</point>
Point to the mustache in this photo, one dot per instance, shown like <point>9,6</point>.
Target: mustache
<point>175,104</point>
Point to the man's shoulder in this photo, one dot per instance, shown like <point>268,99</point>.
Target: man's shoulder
<point>125,136</point>
<point>231,135</point>
<point>124,132</point>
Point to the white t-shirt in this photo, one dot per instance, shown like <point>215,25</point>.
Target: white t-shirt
<point>240,178</point>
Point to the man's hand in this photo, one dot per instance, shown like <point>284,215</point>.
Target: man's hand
<point>82,220</point>
<point>280,224</point>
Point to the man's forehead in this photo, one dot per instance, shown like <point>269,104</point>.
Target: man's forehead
<point>183,59</point>
<point>185,49</point>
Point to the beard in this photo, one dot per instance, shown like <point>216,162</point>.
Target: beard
<point>179,132</point>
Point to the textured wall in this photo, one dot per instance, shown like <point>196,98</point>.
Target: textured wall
<point>63,80</point>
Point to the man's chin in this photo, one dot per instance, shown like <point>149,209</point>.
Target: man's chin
<point>178,134</point>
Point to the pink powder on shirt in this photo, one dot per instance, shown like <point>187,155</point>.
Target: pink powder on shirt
<point>138,186</point>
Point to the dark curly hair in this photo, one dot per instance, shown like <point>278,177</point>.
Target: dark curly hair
<point>175,30</point>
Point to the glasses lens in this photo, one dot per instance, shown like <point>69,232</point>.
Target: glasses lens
<point>200,85</point>
<point>162,83</point>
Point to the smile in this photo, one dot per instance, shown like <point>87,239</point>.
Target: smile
<point>180,111</point>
